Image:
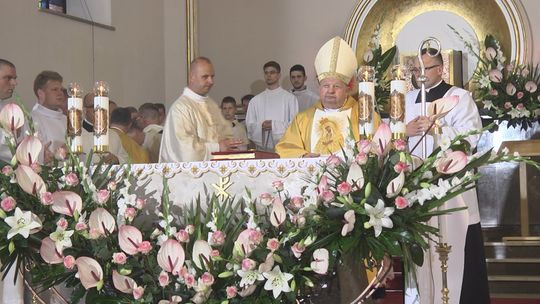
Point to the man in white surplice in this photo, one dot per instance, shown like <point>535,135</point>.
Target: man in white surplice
<point>194,127</point>
<point>467,274</point>
<point>270,112</point>
<point>49,120</point>
<point>9,293</point>
<point>305,97</point>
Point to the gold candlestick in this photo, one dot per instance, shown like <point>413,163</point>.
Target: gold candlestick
<point>443,249</point>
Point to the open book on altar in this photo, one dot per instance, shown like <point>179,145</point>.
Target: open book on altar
<point>245,154</point>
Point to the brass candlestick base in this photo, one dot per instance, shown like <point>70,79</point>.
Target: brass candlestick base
<point>443,249</point>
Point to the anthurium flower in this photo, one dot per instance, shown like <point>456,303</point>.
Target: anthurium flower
<point>201,253</point>
<point>49,252</point>
<point>101,221</point>
<point>490,53</point>
<point>440,107</point>
<point>395,185</point>
<point>28,150</point>
<point>277,281</point>
<point>495,75</point>
<point>11,117</point>
<point>379,217</point>
<point>349,219</point>
<point>355,177</point>
<point>129,239</point>
<point>89,272</point>
<point>29,180</point>
<point>323,184</point>
<point>171,256</point>
<point>123,283</point>
<point>320,261</point>
<point>452,162</point>
<point>66,202</point>
<point>381,139</point>
<point>278,214</point>
<point>22,222</point>
<point>531,86</point>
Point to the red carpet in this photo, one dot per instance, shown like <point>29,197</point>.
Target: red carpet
<point>398,299</point>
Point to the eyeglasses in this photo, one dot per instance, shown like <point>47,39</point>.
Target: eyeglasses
<point>417,70</point>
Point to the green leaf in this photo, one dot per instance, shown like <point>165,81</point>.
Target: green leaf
<point>11,247</point>
<point>417,254</point>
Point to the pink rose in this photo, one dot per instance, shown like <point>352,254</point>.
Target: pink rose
<point>297,249</point>
<point>182,236</point>
<point>163,279</point>
<point>266,199</point>
<point>401,202</point>
<point>323,184</point>
<point>344,188</point>
<point>300,221</point>
<point>36,167</point>
<point>333,161</point>
<point>519,106</point>
<point>46,198</point>
<point>361,158</point>
<point>189,280</point>
<point>495,75</point>
<point>207,279</point>
<point>8,204</point>
<point>119,258</point>
<point>297,203</point>
<point>248,264</point>
<point>62,223</point>
<point>520,95</point>
<point>278,185</point>
<point>138,292</point>
<point>214,253</point>
<point>7,170</point>
<point>218,238</point>
<point>401,167</point>
<point>530,86</point>
<point>183,272</point>
<point>231,292</point>
<point>525,72</point>
<point>140,203</point>
<point>400,144</point>
<point>272,244</point>
<point>144,247</point>
<point>72,179</point>
<point>102,196</point>
<point>327,195</point>
<point>255,236</point>
<point>69,262</point>
<point>493,92</point>
<point>507,105</point>
<point>130,213</point>
<point>364,146</point>
<point>80,226</point>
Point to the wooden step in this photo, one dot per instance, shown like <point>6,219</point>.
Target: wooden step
<point>502,250</point>
<point>513,284</point>
<point>514,266</point>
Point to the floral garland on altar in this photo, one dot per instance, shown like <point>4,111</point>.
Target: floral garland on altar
<point>505,91</point>
<point>81,225</point>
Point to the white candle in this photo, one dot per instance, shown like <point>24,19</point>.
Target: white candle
<point>366,104</point>
<point>398,89</point>
<point>101,124</point>
<point>74,128</point>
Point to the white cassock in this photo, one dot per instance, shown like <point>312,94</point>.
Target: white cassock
<point>463,118</point>
<point>239,131</point>
<point>115,146</point>
<point>51,127</point>
<point>276,105</point>
<point>193,129</point>
<point>152,141</point>
<point>5,153</point>
<point>305,97</point>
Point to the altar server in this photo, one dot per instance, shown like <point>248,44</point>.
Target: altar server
<point>467,275</point>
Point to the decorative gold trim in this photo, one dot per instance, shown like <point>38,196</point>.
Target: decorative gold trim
<point>192,47</point>
<point>222,187</point>
<point>334,56</point>
<point>506,19</point>
<point>101,149</point>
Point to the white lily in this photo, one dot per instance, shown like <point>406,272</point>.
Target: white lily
<point>349,218</point>
<point>22,222</point>
<point>249,277</point>
<point>61,238</point>
<point>379,217</point>
<point>277,281</point>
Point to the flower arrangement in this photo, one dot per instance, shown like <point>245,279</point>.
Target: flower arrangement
<point>375,57</point>
<point>82,226</point>
<point>505,91</point>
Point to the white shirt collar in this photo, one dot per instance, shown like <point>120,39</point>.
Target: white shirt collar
<point>48,112</point>
<point>189,93</point>
<point>438,83</point>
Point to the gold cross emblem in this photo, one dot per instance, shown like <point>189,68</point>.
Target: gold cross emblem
<point>221,187</point>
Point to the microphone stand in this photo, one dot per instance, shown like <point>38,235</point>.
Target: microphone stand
<point>442,248</point>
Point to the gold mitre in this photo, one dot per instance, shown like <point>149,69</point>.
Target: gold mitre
<point>336,59</point>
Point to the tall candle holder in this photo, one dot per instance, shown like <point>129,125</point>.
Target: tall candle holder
<point>398,89</point>
<point>101,117</point>
<point>366,101</point>
<point>74,118</point>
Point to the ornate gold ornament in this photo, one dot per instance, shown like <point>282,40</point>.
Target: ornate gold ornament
<point>222,186</point>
